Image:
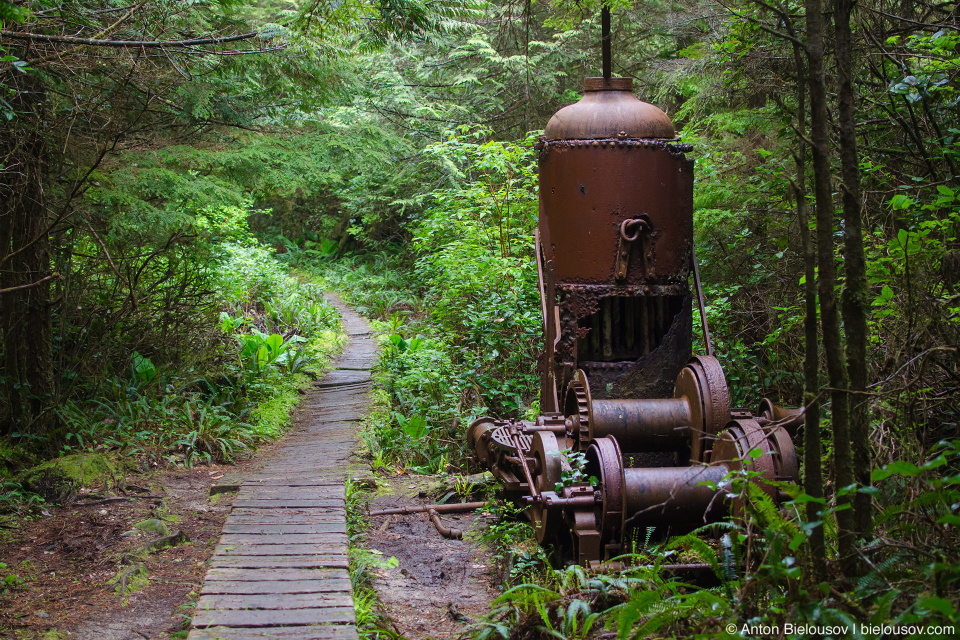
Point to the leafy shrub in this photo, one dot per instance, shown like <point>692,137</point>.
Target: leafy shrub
<point>273,326</point>
<point>460,313</point>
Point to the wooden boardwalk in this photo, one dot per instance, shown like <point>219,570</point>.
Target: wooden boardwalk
<point>281,568</point>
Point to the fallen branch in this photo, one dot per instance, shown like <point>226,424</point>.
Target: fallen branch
<point>94,503</point>
<point>172,540</point>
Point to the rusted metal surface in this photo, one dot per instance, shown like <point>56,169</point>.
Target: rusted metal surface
<point>609,111</point>
<point>642,425</point>
<point>636,433</point>
<point>450,533</point>
<point>675,498</point>
<point>458,507</point>
<point>589,188</point>
<point>789,419</point>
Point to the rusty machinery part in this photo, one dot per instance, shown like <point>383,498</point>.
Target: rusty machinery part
<point>556,424</point>
<point>450,533</point>
<point>548,461</point>
<point>478,437</point>
<point>789,419</point>
<point>576,408</point>
<point>652,424</point>
<point>605,462</point>
<point>505,437</point>
<point>495,444</point>
<point>627,117</point>
<point>631,228</point>
<point>673,500</point>
<point>655,424</point>
<point>704,386</point>
<point>630,231</point>
<point>701,302</point>
<point>667,499</point>
<point>777,459</point>
<point>581,514</point>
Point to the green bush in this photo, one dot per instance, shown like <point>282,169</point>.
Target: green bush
<point>272,327</point>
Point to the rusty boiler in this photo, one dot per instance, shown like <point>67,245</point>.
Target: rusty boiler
<point>615,234</point>
<point>637,434</point>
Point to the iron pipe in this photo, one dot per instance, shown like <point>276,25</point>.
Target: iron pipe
<point>447,532</point>
<point>459,507</point>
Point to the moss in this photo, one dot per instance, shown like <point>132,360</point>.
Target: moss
<point>130,579</point>
<point>58,479</point>
<point>154,526</point>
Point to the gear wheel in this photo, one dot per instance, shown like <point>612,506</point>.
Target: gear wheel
<point>576,408</point>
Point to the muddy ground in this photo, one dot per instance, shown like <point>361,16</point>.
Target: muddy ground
<point>438,587</point>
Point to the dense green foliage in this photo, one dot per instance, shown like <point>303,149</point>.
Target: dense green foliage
<point>385,150</point>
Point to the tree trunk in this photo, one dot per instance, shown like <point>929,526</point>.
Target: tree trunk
<point>26,386</point>
<point>827,278</point>
<point>812,473</point>
<point>854,264</point>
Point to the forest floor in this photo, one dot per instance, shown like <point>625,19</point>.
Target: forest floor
<point>437,587</point>
<point>66,563</point>
<point>84,571</point>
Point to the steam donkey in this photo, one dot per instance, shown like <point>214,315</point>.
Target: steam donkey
<point>625,403</point>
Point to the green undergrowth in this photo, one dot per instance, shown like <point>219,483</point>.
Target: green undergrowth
<point>456,307</point>
<point>371,618</point>
<point>758,573</point>
<point>267,338</point>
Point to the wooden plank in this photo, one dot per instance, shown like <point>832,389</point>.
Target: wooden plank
<point>274,538</point>
<point>280,519</point>
<point>292,503</point>
<point>325,585</point>
<point>312,632</point>
<point>333,548</point>
<point>317,451</point>
<point>350,398</point>
<point>344,380</point>
<point>286,529</point>
<point>276,601</point>
<point>317,445</point>
<point>309,561</point>
<point>289,516</point>
<point>326,492</point>
<point>276,575</point>
<point>329,488</point>
<point>278,480</point>
<point>267,618</point>
<point>341,394</point>
<point>338,397</point>
<point>351,412</point>
<point>332,471</point>
<point>311,468</point>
